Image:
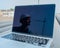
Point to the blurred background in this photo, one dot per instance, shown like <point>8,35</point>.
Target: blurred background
<point>7,8</point>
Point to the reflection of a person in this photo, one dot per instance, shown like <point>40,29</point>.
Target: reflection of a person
<point>25,22</point>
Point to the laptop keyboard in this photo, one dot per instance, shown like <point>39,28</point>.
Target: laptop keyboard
<point>27,39</point>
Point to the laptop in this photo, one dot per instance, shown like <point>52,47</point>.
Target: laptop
<point>33,24</point>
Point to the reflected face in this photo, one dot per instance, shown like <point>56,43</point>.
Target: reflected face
<point>26,21</point>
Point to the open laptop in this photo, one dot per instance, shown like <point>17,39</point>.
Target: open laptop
<point>33,24</point>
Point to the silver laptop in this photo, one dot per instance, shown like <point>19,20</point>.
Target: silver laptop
<point>33,24</point>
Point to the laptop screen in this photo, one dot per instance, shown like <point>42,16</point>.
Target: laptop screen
<point>35,20</point>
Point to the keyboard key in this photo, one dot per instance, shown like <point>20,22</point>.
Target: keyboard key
<point>27,39</point>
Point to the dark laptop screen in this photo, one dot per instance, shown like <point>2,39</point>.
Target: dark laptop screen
<point>36,20</point>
